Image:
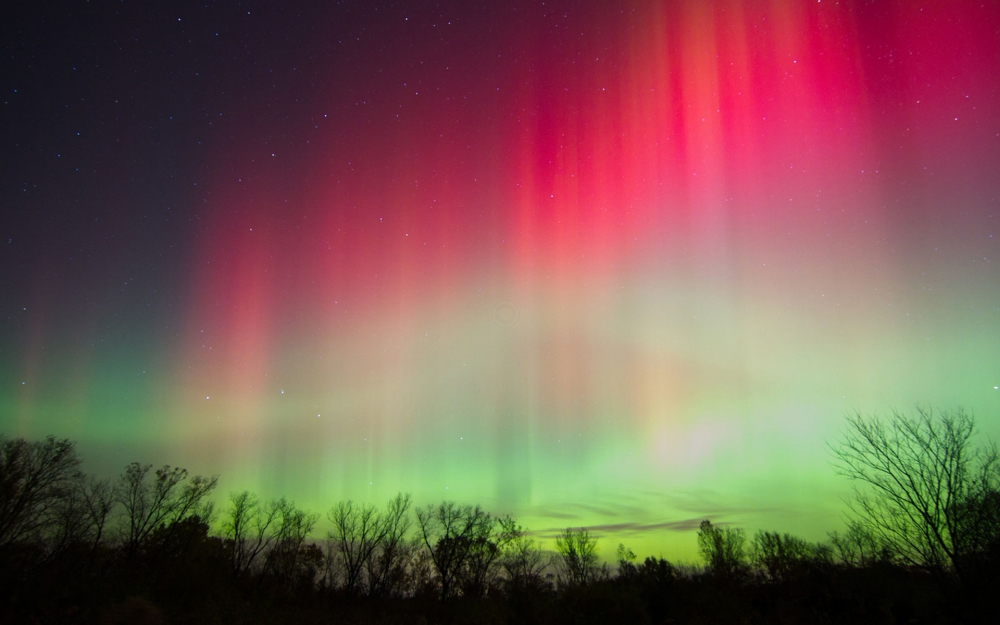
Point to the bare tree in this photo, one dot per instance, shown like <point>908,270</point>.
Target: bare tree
<point>490,543</point>
<point>578,552</point>
<point>450,532</point>
<point>35,479</point>
<point>858,546</point>
<point>158,500</point>
<point>523,562</point>
<point>283,559</point>
<point>357,533</point>
<point>777,556</point>
<point>386,567</point>
<point>922,487</point>
<point>70,524</point>
<point>99,500</point>
<point>723,549</point>
<point>249,529</point>
<point>981,543</point>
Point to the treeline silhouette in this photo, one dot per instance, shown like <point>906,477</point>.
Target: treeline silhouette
<point>922,545</point>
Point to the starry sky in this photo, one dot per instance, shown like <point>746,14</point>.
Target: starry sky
<point>622,265</point>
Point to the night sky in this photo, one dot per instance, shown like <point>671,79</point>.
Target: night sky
<point>624,265</point>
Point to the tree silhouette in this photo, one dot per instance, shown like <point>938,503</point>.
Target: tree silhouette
<point>723,549</point>
<point>858,546</point>
<point>577,550</point>
<point>36,478</point>
<point>288,550</point>
<point>490,543</point>
<point>371,546</point>
<point>249,529</point>
<point>264,566</point>
<point>357,533</point>
<point>780,556</point>
<point>386,567</point>
<point>626,561</point>
<point>923,490</point>
<point>450,533</point>
<point>160,499</point>
<point>99,500</point>
<point>523,562</point>
<point>80,514</point>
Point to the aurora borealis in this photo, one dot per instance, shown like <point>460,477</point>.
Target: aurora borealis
<point>623,265</point>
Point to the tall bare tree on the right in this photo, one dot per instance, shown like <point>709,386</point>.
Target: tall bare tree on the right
<point>924,488</point>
